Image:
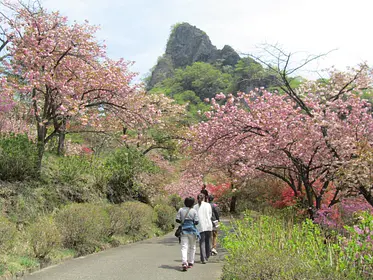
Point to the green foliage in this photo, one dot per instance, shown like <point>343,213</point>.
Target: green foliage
<point>355,254</point>
<point>8,234</point>
<point>249,74</point>
<point>61,254</point>
<point>15,264</point>
<point>71,169</point>
<point>265,247</point>
<point>141,218</point>
<point>119,219</point>
<point>165,216</point>
<point>82,226</point>
<point>76,178</point>
<point>18,158</point>
<point>26,201</point>
<point>193,84</point>
<point>269,265</point>
<point>124,165</point>
<point>195,107</point>
<point>2,268</point>
<point>43,237</point>
<point>202,78</point>
<point>175,201</point>
<point>174,27</point>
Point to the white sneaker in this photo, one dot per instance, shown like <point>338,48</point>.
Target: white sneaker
<point>213,251</point>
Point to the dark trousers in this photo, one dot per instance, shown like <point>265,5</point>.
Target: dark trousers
<point>204,245</point>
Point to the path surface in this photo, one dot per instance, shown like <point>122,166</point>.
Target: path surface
<point>156,259</point>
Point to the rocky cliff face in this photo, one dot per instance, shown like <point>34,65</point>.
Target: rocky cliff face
<point>188,44</point>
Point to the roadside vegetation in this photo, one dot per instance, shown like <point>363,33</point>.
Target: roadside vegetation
<point>66,211</point>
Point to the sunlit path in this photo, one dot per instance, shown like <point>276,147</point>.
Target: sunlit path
<point>156,258</point>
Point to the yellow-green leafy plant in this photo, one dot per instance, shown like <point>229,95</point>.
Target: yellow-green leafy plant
<point>43,237</point>
<point>8,233</point>
<point>119,219</point>
<point>141,219</point>
<point>165,216</point>
<point>83,226</point>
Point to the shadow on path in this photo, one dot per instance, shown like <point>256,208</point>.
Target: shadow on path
<point>154,259</point>
<point>174,267</point>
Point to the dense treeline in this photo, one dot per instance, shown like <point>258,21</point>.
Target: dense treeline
<point>194,84</point>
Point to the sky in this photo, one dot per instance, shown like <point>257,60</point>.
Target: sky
<point>138,30</point>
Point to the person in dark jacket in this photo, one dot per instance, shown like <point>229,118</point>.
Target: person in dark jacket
<point>205,192</point>
<point>215,223</point>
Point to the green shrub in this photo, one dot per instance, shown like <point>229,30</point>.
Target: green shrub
<point>165,216</point>
<point>119,219</point>
<point>8,233</point>
<point>77,179</point>
<point>43,237</point>
<point>176,201</point>
<point>356,251</point>
<point>25,201</point>
<point>18,158</point>
<point>83,226</point>
<point>71,169</point>
<point>141,217</point>
<point>124,165</point>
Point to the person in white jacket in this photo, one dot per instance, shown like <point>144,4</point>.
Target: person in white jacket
<point>204,227</point>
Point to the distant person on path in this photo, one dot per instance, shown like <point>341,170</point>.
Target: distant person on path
<point>204,227</point>
<point>215,224</point>
<point>188,217</point>
<point>205,191</point>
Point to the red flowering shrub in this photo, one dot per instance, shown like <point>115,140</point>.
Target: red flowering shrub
<point>86,151</point>
<point>287,198</point>
<point>222,194</point>
<point>219,191</point>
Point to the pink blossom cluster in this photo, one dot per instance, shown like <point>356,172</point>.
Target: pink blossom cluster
<point>297,141</point>
<point>343,213</point>
<point>187,185</point>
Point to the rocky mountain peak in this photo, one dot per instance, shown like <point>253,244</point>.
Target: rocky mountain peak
<point>186,45</point>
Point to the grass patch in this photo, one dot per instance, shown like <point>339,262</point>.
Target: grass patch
<point>264,247</point>
<point>17,264</point>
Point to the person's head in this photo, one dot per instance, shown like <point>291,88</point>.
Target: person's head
<point>189,202</point>
<point>200,198</point>
<point>203,186</point>
<point>211,198</point>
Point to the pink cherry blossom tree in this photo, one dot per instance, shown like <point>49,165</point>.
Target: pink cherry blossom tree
<point>296,139</point>
<point>63,75</point>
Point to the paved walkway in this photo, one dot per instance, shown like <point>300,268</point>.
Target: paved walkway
<point>155,259</point>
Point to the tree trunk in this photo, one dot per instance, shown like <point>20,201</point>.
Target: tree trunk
<point>309,194</point>
<point>318,202</point>
<point>61,137</point>
<point>42,132</point>
<point>311,207</point>
<point>232,206</point>
<point>61,143</point>
<point>367,195</point>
